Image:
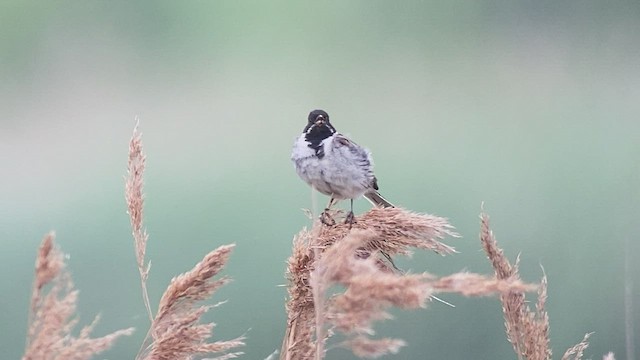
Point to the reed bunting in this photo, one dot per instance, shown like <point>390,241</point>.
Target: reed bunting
<point>334,165</point>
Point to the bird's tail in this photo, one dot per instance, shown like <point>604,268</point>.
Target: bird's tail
<point>376,199</point>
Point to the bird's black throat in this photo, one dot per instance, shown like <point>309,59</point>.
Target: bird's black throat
<point>315,134</point>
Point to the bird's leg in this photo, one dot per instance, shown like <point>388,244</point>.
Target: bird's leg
<point>388,257</point>
<point>325,216</point>
<point>351,219</point>
<point>363,253</point>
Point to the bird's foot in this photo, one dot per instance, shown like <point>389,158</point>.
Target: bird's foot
<point>363,253</point>
<point>350,219</point>
<point>388,257</point>
<point>326,219</point>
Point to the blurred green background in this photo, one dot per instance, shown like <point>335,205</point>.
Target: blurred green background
<point>531,107</point>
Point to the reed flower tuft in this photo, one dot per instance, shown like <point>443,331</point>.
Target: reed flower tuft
<point>134,195</point>
<point>527,329</point>
<point>609,356</point>
<point>52,316</point>
<point>326,258</point>
<point>175,332</point>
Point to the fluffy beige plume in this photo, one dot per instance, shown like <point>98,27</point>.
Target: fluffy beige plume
<point>176,332</point>
<point>470,284</point>
<point>329,256</point>
<point>609,356</point>
<point>395,231</point>
<point>527,330</point>
<point>135,206</point>
<point>363,346</point>
<point>298,342</point>
<point>52,315</point>
<point>577,351</point>
<point>370,290</point>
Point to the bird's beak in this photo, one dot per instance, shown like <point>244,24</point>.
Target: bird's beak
<point>320,120</point>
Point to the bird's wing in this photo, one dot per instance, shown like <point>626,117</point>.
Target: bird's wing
<point>362,158</point>
<point>342,140</point>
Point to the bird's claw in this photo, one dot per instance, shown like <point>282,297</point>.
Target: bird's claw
<point>326,218</point>
<point>350,219</point>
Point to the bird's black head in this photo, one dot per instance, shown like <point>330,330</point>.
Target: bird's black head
<point>319,124</point>
<point>318,128</point>
<point>318,115</point>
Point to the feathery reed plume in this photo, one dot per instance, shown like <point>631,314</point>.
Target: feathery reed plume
<point>576,351</point>
<point>370,290</point>
<point>52,313</point>
<point>528,331</point>
<point>135,204</point>
<point>396,231</point>
<point>298,342</point>
<point>609,356</point>
<point>175,332</point>
<point>363,346</point>
<point>328,256</point>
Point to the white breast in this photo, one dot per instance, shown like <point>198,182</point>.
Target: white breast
<point>338,173</point>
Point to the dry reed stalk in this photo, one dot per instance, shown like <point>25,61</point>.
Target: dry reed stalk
<point>52,313</point>
<point>576,351</point>
<point>371,289</point>
<point>527,330</point>
<point>363,346</point>
<point>298,342</point>
<point>395,231</point>
<point>328,256</point>
<point>175,332</point>
<point>135,206</point>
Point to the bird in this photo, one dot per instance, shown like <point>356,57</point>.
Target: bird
<point>334,165</point>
